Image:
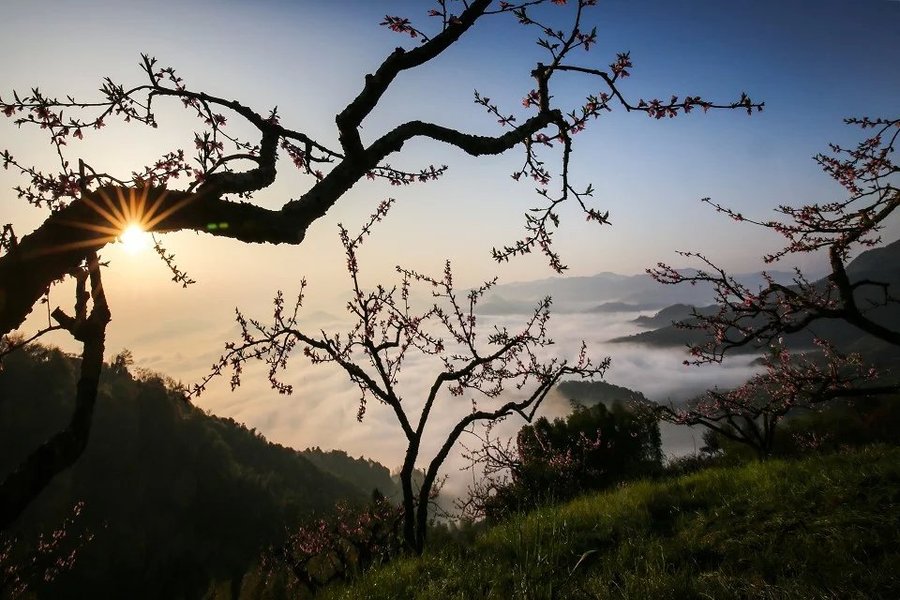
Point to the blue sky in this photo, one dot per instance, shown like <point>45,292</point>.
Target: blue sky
<point>812,61</point>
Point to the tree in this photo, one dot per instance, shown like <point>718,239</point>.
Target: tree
<point>592,448</point>
<point>89,207</point>
<point>22,485</point>
<point>387,330</point>
<point>24,567</point>
<point>750,413</point>
<point>341,546</point>
<point>747,318</point>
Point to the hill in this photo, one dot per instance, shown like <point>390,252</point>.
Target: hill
<point>175,498</point>
<point>604,292</point>
<point>878,264</point>
<point>363,473</point>
<point>670,314</point>
<point>823,527</point>
<point>589,393</point>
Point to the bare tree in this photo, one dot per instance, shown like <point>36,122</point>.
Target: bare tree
<point>386,331</point>
<point>89,207</point>
<point>750,413</point>
<point>747,318</point>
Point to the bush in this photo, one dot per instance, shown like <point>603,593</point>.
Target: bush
<point>591,449</point>
<point>850,423</point>
<point>841,424</point>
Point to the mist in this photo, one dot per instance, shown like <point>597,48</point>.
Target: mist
<point>322,410</point>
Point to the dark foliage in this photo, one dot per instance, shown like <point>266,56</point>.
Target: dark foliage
<point>588,393</point>
<point>841,424</point>
<point>340,546</point>
<point>591,449</point>
<point>175,498</point>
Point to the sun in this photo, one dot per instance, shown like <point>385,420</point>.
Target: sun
<point>126,216</point>
<point>134,239</point>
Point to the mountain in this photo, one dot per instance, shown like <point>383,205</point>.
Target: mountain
<point>878,264</point>
<point>614,307</point>
<point>671,314</point>
<point>590,393</point>
<point>175,498</point>
<point>363,473</point>
<point>605,292</point>
<point>883,261</point>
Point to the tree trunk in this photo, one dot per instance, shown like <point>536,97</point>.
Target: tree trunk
<point>409,498</point>
<point>61,451</point>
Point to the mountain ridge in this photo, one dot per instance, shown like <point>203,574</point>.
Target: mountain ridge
<point>174,497</point>
<point>604,292</point>
<point>877,264</point>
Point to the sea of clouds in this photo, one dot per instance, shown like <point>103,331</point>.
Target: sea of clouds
<point>322,410</point>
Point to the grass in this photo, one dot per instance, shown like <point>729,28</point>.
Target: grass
<point>822,527</point>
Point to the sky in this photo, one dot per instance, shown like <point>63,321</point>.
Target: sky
<point>813,62</point>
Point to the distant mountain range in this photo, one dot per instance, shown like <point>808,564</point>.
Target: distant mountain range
<point>605,292</point>
<point>670,314</point>
<point>878,264</point>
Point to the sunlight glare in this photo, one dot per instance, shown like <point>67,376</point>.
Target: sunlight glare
<point>134,239</point>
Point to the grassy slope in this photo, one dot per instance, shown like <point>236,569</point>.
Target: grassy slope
<point>823,527</point>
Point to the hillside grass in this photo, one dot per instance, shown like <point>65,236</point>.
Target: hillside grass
<point>821,527</point>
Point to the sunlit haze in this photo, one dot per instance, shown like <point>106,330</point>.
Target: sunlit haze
<point>134,239</point>
<point>813,63</point>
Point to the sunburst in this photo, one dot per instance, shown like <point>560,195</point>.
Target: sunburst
<point>126,216</point>
<point>134,239</point>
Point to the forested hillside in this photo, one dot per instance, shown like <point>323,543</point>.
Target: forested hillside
<point>173,497</point>
<point>589,393</point>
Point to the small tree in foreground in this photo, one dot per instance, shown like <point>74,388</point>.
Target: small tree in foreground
<point>750,413</point>
<point>503,373</point>
<point>340,546</point>
<point>745,317</point>
<point>592,448</point>
<point>23,569</point>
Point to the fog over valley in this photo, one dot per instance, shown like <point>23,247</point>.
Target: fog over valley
<point>322,409</point>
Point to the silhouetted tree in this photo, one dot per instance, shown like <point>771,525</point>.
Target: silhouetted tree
<point>89,207</point>
<point>386,331</point>
<point>21,486</point>
<point>592,448</point>
<point>750,413</point>
<point>745,317</point>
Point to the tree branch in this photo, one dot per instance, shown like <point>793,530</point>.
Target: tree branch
<point>61,451</point>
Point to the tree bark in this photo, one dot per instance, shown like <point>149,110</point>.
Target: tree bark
<point>61,451</point>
